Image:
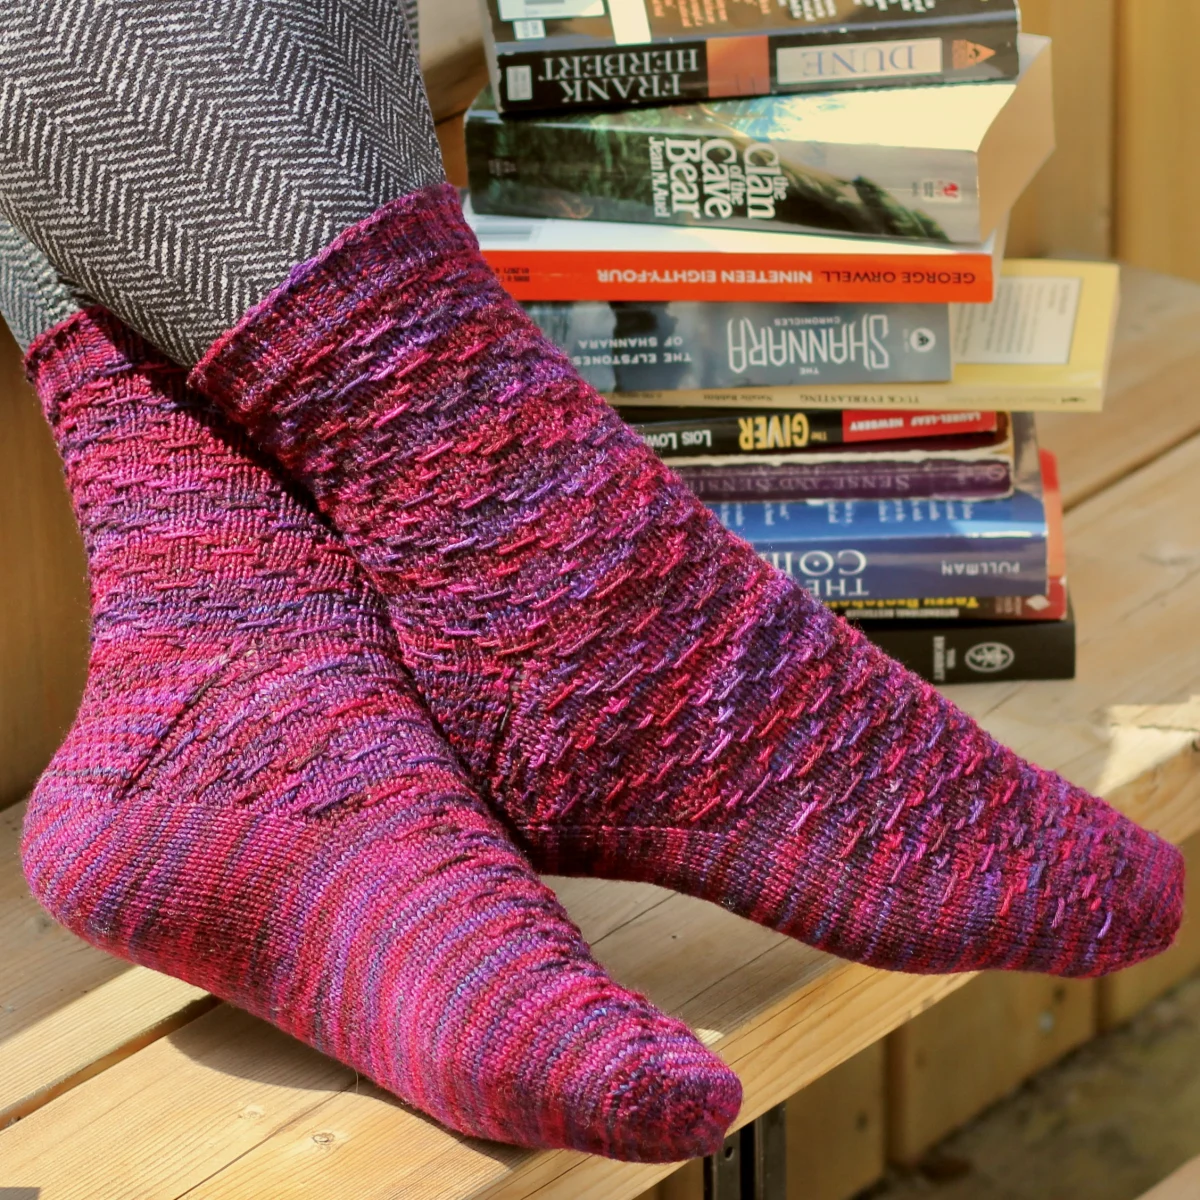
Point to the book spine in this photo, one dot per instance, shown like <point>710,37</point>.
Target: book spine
<point>708,275</point>
<point>776,433</point>
<point>703,172</point>
<point>1050,606</point>
<point>682,432</point>
<point>932,479</point>
<point>860,569</point>
<point>972,652</point>
<point>887,52</point>
<point>902,397</point>
<point>872,426</point>
<point>644,345</point>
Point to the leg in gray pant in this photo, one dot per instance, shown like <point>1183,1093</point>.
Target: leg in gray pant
<point>175,160</point>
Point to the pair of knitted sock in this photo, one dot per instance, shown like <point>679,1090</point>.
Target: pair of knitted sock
<point>254,798</point>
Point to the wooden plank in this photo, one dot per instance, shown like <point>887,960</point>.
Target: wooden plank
<point>953,1062</point>
<point>318,1135</point>
<point>454,81</point>
<point>835,1128</point>
<point>160,1140</point>
<point>1128,727</point>
<point>685,1184</point>
<point>67,1010</point>
<point>1124,995</point>
<point>654,1193</point>
<point>783,1015</point>
<point>780,1013</point>
<point>43,588</point>
<point>452,59</point>
<point>1158,149</point>
<point>1153,403</point>
<point>454,150</point>
<point>1183,1185</point>
<point>1068,211</point>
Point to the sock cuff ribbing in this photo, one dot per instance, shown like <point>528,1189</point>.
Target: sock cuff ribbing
<point>67,363</point>
<point>398,247</point>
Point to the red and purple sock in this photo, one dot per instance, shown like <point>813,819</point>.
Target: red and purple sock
<point>635,691</point>
<point>253,798</point>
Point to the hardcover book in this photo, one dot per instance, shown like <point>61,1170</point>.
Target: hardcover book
<point>1049,606</point>
<point>639,345</point>
<point>544,258</point>
<point>1044,344</point>
<point>892,164</point>
<point>549,54</point>
<point>859,550</point>
<point>980,652</point>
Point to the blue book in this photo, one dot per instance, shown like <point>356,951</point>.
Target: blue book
<point>848,550</point>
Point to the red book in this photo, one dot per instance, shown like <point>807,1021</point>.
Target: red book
<point>550,259</point>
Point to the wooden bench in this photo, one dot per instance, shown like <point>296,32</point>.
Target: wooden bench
<point>129,1084</point>
<point>1183,1185</point>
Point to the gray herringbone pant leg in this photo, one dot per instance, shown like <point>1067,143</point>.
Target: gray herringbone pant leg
<point>174,159</point>
<point>32,297</point>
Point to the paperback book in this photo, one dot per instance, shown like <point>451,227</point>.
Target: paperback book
<point>743,435</point>
<point>963,467</point>
<point>885,479</point>
<point>640,345</point>
<point>544,258</point>
<point>889,164</point>
<point>1048,606</point>
<point>857,550</point>
<point>549,54</point>
<point>1044,344</point>
<point>980,652</point>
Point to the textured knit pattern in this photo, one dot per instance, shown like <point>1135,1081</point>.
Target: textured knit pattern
<point>254,799</point>
<point>637,692</point>
<point>176,159</point>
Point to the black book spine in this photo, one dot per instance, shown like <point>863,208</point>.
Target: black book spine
<point>754,433</point>
<point>558,72</point>
<point>977,652</point>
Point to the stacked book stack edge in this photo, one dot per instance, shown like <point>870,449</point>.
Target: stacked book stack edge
<point>776,244</point>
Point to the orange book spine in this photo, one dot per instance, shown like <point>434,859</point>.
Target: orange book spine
<point>704,275</point>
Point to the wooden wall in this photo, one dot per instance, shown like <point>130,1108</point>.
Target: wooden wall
<point>43,588</point>
<point>1068,211</point>
<point>1157,135</point>
<point>1125,178</point>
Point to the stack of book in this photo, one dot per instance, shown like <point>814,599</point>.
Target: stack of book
<point>773,235</point>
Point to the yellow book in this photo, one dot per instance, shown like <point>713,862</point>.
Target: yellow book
<point>1044,344</point>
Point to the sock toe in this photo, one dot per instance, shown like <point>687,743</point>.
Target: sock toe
<point>676,1102</point>
<point>1146,904</point>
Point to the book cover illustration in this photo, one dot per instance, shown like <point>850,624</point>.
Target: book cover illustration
<point>639,345</point>
<point>892,164</point>
<point>549,54</point>
<point>543,258</point>
<point>1045,344</point>
<point>858,550</point>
